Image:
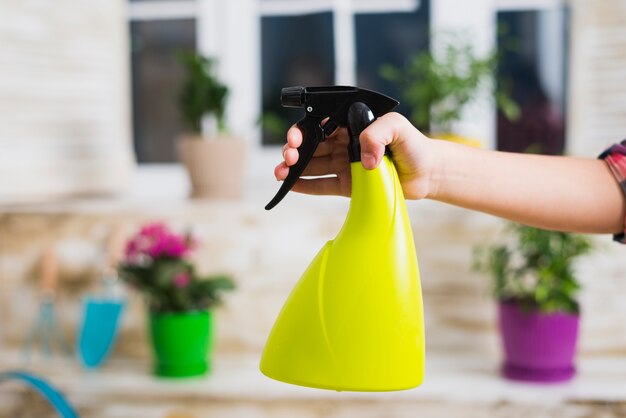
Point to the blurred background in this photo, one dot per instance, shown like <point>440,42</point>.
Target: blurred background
<point>91,127</point>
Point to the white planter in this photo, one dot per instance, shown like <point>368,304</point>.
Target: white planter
<point>215,165</point>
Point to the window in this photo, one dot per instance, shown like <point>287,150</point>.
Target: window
<point>156,76</point>
<point>158,30</point>
<point>296,50</point>
<point>307,42</point>
<point>389,38</point>
<point>333,42</point>
<point>288,42</point>
<point>533,48</point>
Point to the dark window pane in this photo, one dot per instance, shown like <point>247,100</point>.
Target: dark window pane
<point>532,46</point>
<point>390,38</point>
<point>156,77</point>
<point>296,50</point>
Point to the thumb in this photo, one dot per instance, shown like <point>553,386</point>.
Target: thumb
<point>374,139</point>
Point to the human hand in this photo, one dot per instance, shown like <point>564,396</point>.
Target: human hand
<point>411,151</point>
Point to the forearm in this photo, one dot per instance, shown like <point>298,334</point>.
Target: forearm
<point>562,193</point>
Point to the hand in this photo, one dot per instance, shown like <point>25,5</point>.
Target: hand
<point>411,151</point>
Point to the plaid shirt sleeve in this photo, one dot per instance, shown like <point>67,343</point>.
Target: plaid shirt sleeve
<point>615,157</point>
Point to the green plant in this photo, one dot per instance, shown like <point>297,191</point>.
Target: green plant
<point>535,267</point>
<point>201,93</point>
<point>437,86</point>
<point>156,264</point>
<point>274,124</point>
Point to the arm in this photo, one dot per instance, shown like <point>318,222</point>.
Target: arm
<point>564,193</point>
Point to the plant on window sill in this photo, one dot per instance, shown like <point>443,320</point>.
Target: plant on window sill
<point>203,97</point>
<point>202,94</point>
<point>438,86</point>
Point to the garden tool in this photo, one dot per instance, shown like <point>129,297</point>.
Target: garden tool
<point>354,321</point>
<point>46,328</point>
<point>102,311</point>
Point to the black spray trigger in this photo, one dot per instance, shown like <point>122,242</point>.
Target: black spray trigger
<point>360,116</point>
<point>312,135</point>
<point>332,103</point>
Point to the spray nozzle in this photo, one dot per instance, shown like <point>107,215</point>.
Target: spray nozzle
<point>334,103</point>
<point>292,96</point>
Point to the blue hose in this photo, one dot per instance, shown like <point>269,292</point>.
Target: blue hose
<point>46,390</point>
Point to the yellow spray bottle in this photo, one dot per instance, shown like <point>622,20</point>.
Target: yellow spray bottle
<point>354,321</point>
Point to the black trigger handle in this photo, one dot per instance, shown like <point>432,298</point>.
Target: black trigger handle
<point>312,135</point>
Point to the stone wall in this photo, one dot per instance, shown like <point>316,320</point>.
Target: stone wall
<point>267,253</point>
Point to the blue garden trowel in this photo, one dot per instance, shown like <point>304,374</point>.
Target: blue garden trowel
<point>102,312</point>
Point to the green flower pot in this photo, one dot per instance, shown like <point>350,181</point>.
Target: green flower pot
<point>182,343</point>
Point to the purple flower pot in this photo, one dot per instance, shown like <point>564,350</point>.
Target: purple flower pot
<point>538,347</point>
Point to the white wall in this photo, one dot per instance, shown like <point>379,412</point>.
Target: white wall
<point>64,98</point>
<point>597,86</point>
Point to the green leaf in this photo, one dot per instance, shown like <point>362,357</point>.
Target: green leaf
<point>201,93</point>
<point>437,88</point>
<point>547,257</point>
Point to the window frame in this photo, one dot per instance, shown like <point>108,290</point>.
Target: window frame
<point>229,26</point>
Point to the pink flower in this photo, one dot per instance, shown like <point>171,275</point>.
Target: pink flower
<point>154,229</point>
<point>156,240</point>
<point>181,280</point>
<point>168,245</point>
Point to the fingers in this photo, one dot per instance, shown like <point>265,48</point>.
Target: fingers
<point>294,140</point>
<point>323,186</point>
<point>294,137</point>
<point>290,155</point>
<point>319,186</point>
<point>281,171</point>
<point>387,129</point>
<point>322,161</point>
<point>318,166</point>
<point>376,136</point>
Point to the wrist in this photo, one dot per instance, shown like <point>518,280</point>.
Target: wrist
<point>437,169</point>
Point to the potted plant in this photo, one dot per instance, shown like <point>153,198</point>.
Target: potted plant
<point>180,300</point>
<point>535,284</point>
<point>214,159</point>
<point>438,86</point>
